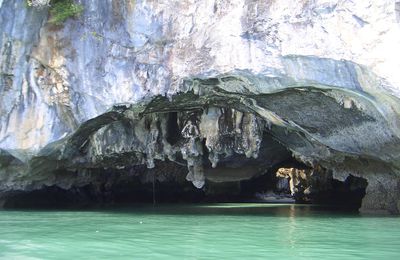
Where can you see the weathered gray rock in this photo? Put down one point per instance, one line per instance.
(201, 83)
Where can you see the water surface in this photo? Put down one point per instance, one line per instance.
(213, 231)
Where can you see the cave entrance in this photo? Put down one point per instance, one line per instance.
(290, 182)
(214, 155)
(275, 176)
(294, 182)
(342, 195)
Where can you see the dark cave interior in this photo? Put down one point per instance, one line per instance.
(274, 177)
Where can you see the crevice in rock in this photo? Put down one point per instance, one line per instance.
(173, 133)
(348, 193)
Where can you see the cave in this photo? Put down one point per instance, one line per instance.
(299, 145)
(274, 175)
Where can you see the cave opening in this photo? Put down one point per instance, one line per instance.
(275, 176)
(269, 187)
(211, 151)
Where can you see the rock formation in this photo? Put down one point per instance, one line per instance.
(227, 89)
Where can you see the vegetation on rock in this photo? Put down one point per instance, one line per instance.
(60, 10)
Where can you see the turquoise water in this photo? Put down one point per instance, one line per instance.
(217, 231)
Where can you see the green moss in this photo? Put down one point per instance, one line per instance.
(61, 10)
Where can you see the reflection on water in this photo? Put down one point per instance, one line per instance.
(249, 209)
(238, 231)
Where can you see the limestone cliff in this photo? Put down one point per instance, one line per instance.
(226, 88)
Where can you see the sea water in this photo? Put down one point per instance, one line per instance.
(212, 231)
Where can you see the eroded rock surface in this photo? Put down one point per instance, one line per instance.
(227, 89)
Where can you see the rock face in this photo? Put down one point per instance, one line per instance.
(226, 88)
